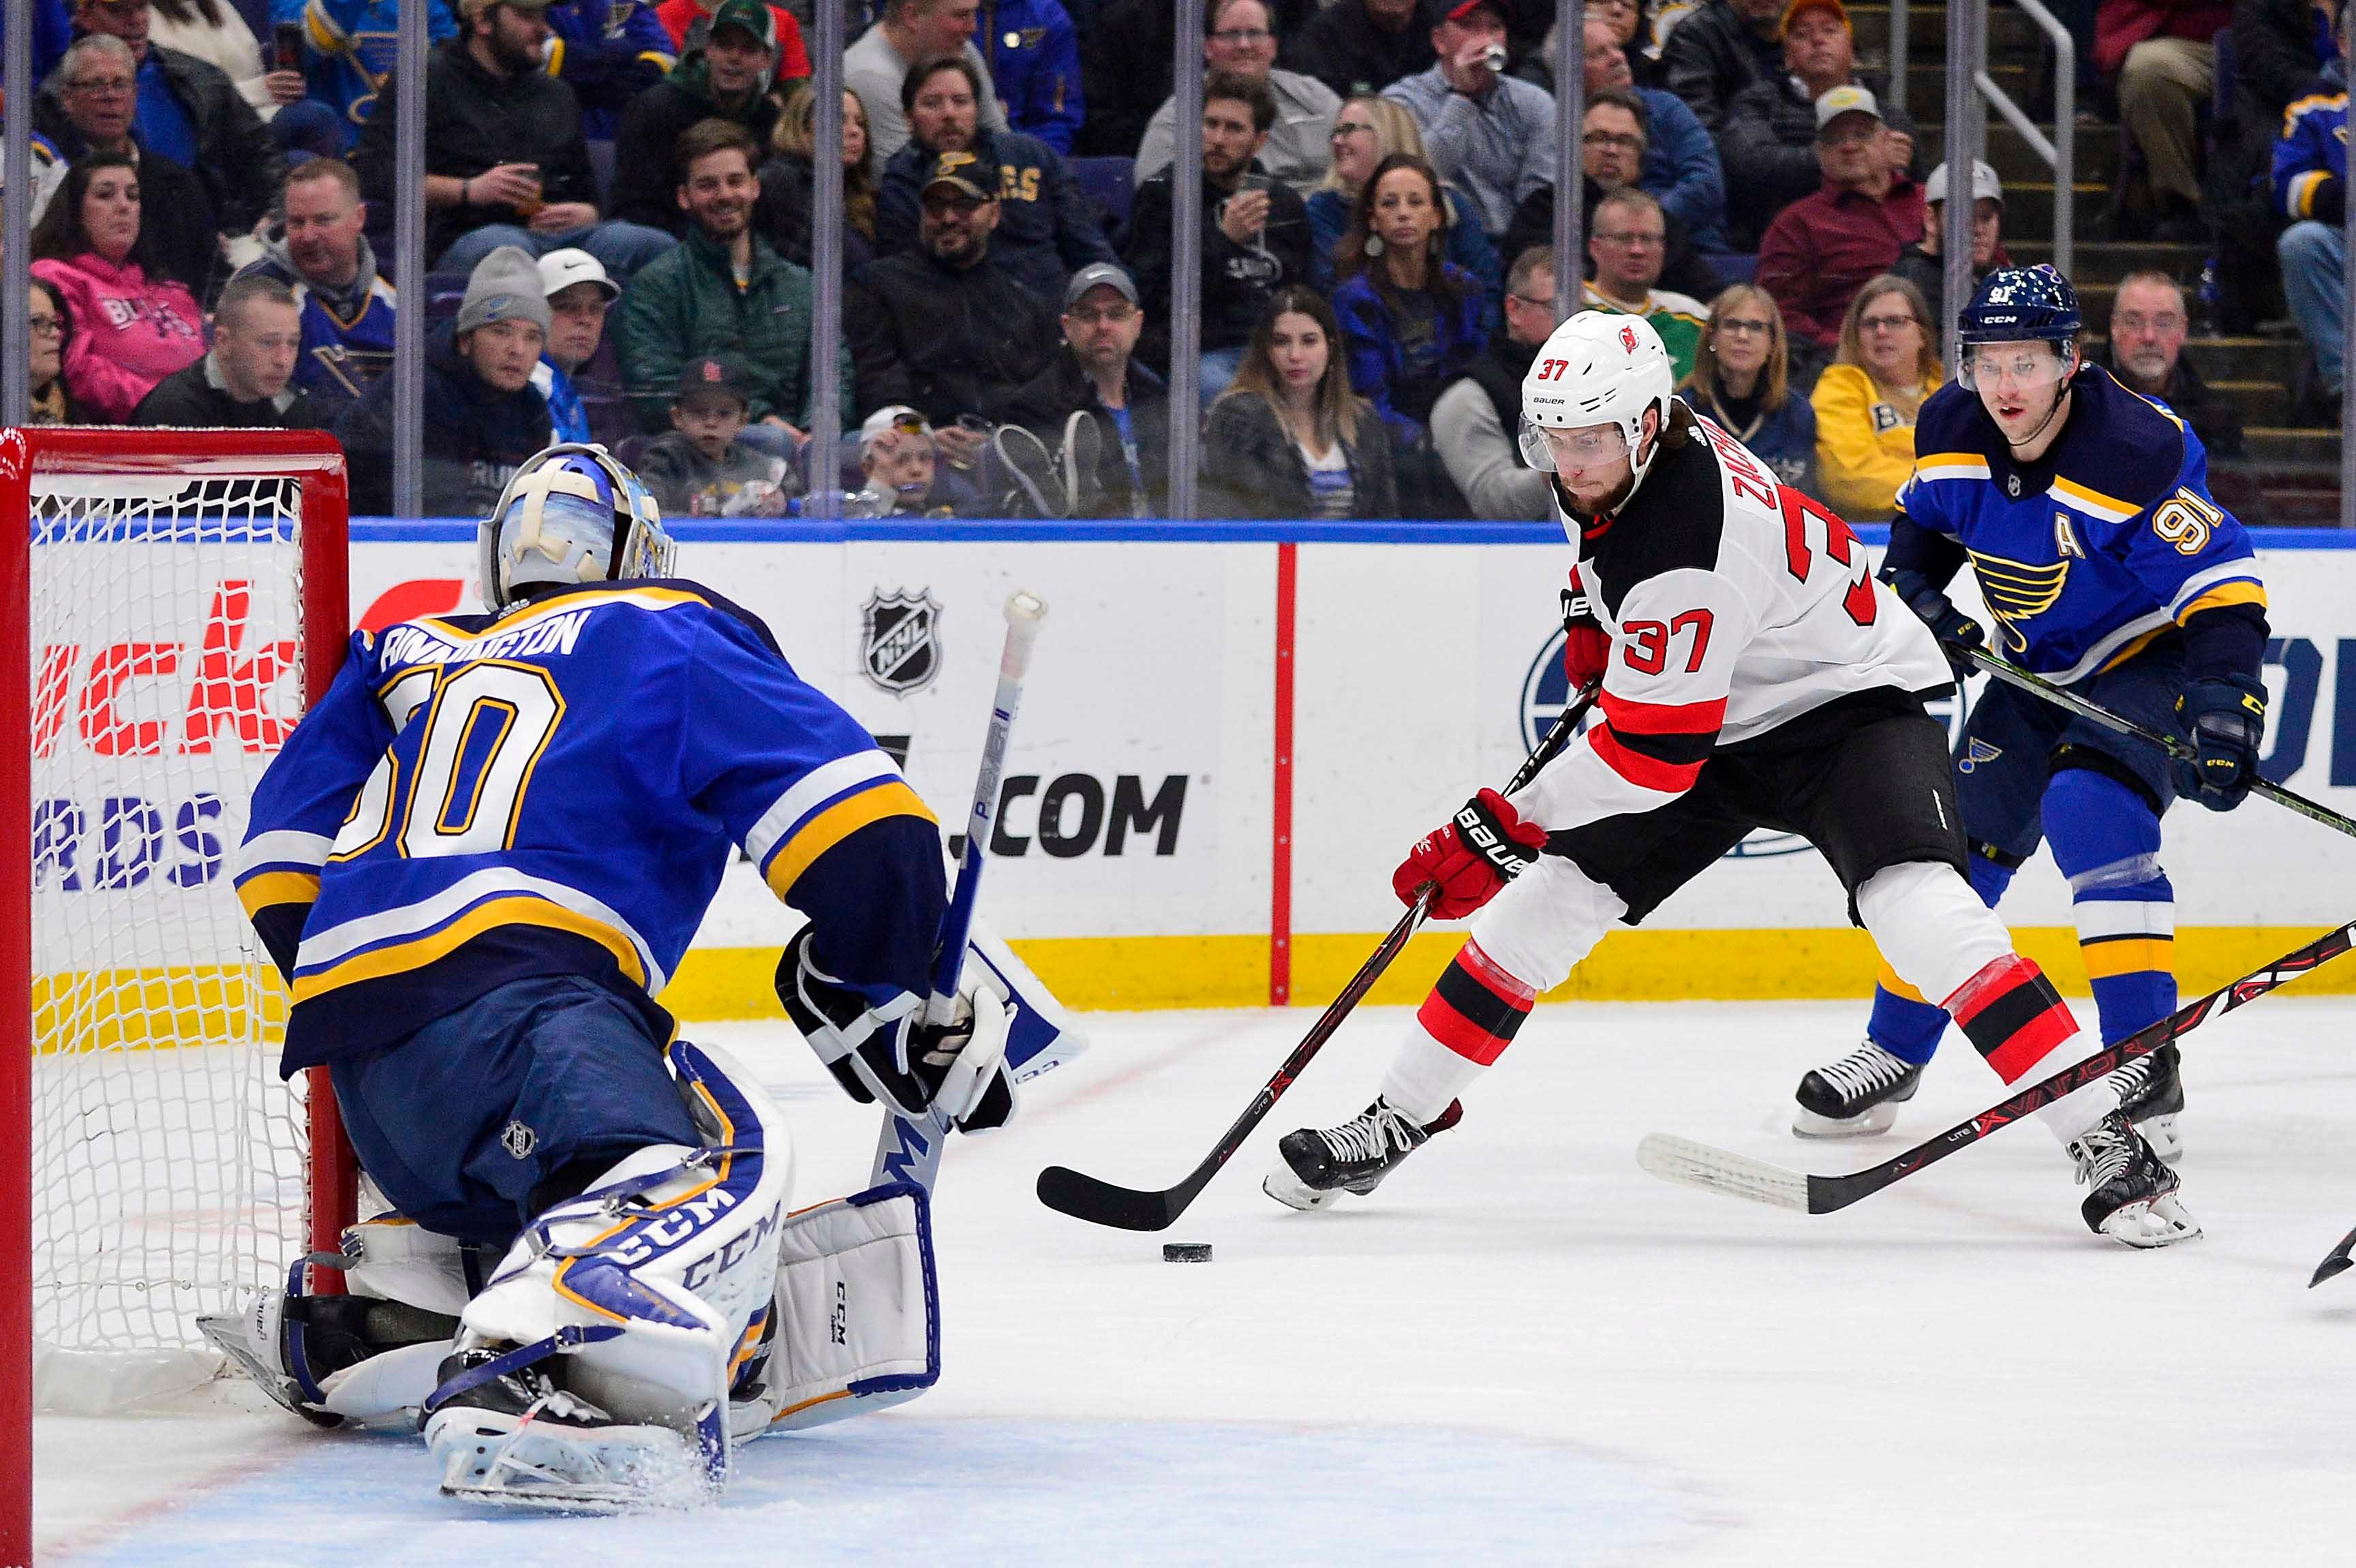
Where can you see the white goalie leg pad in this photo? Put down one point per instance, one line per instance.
(858, 1312)
(1042, 1035)
(653, 1284)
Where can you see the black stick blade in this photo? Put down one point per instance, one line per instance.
(1083, 1196)
(2337, 1263)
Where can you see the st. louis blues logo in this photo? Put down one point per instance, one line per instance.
(899, 648)
(1976, 751)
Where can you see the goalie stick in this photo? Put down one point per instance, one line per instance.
(2062, 696)
(1083, 1197)
(909, 1148)
(1692, 1164)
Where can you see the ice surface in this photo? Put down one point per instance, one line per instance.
(1523, 1350)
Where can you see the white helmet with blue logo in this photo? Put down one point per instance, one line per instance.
(572, 514)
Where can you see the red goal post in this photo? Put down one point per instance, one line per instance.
(170, 602)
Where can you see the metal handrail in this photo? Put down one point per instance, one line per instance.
(2060, 152)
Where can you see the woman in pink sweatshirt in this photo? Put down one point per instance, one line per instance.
(131, 328)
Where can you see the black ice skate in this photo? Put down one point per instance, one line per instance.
(1858, 1094)
(1319, 1164)
(2152, 1095)
(2134, 1198)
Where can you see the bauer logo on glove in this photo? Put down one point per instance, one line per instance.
(1483, 849)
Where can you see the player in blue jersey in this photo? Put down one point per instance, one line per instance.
(476, 862)
(2084, 511)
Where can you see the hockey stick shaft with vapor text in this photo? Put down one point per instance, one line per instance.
(1083, 1197)
(1692, 1164)
(2062, 696)
(909, 1148)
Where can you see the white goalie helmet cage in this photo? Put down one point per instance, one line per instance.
(1597, 369)
(572, 513)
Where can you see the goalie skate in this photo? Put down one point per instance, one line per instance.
(1318, 1165)
(1854, 1096)
(2151, 1094)
(517, 1439)
(2134, 1198)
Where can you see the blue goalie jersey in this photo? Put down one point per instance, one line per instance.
(557, 790)
(2086, 555)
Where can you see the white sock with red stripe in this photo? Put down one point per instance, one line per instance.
(1472, 1015)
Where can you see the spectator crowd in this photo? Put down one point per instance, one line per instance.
(619, 206)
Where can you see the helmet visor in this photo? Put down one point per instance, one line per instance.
(1552, 449)
(2030, 366)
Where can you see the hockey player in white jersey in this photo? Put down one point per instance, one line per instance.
(1753, 675)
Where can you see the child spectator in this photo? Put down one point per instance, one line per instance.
(1287, 438)
(702, 466)
(896, 454)
(1867, 400)
(130, 329)
(788, 181)
(1741, 381)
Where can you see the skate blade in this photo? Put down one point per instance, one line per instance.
(1807, 1124)
(1289, 1191)
(2161, 1221)
(607, 1470)
(2167, 1140)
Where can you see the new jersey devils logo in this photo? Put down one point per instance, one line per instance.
(1628, 338)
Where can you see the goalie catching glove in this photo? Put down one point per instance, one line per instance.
(1485, 846)
(888, 1052)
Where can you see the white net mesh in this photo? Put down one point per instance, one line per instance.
(167, 1158)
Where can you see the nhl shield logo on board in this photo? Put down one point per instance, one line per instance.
(899, 644)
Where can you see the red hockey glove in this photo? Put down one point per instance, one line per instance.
(1485, 846)
(1586, 646)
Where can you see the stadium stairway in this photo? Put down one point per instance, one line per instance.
(2291, 472)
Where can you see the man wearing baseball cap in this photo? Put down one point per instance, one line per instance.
(578, 293)
(727, 77)
(505, 161)
(1490, 133)
(943, 329)
(1822, 248)
(1769, 137)
(1095, 384)
(1920, 263)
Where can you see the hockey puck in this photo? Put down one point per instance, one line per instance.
(1186, 1251)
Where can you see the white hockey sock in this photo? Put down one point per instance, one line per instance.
(1426, 1075)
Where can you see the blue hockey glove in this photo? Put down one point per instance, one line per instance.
(1954, 629)
(2225, 717)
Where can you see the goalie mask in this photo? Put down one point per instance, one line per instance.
(572, 514)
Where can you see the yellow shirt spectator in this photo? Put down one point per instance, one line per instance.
(1866, 401)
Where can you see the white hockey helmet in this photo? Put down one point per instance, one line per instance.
(572, 514)
(1597, 369)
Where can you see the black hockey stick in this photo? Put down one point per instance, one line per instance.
(2062, 696)
(2336, 1263)
(1083, 1197)
(1698, 1165)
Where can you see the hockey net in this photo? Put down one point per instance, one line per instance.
(185, 599)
